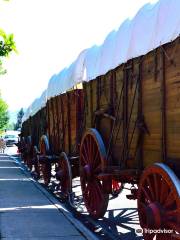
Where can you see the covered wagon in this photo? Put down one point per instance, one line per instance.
(123, 126)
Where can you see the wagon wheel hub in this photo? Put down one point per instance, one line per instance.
(154, 216)
(88, 172)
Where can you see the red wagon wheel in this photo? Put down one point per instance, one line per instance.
(64, 175)
(159, 202)
(46, 166)
(92, 162)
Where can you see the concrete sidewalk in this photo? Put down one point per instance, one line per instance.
(27, 211)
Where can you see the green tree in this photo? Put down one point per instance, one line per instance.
(10, 126)
(7, 45)
(4, 116)
(19, 119)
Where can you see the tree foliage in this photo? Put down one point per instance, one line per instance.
(10, 126)
(7, 45)
(4, 116)
(19, 119)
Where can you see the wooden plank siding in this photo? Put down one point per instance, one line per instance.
(35, 126)
(151, 116)
(65, 119)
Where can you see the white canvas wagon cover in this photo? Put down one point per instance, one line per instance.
(153, 25)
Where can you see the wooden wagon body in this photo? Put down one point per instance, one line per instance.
(31, 132)
(35, 126)
(26, 128)
(64, 120)
(59, 144)
(135, 108)
(132, 122)
(122, 127)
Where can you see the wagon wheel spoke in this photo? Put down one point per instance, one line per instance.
(150, 188)
(162, 236)
(90, 146)
(64, 175)
(173, 226)
(87, 193)
(45, 167)
(91, 197)
(92, 152)
(87, 150)
(141, 208)
(86, 188)
(98, 190)
(164, 191)
(169, 200)
(148, 236)
(96, 160)
(156, 187)
(84, 159)
(163, 211)
(142, 205)
(172, 213)
(85, 154)
(97, 169)
(96, 200)
(146, 194)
